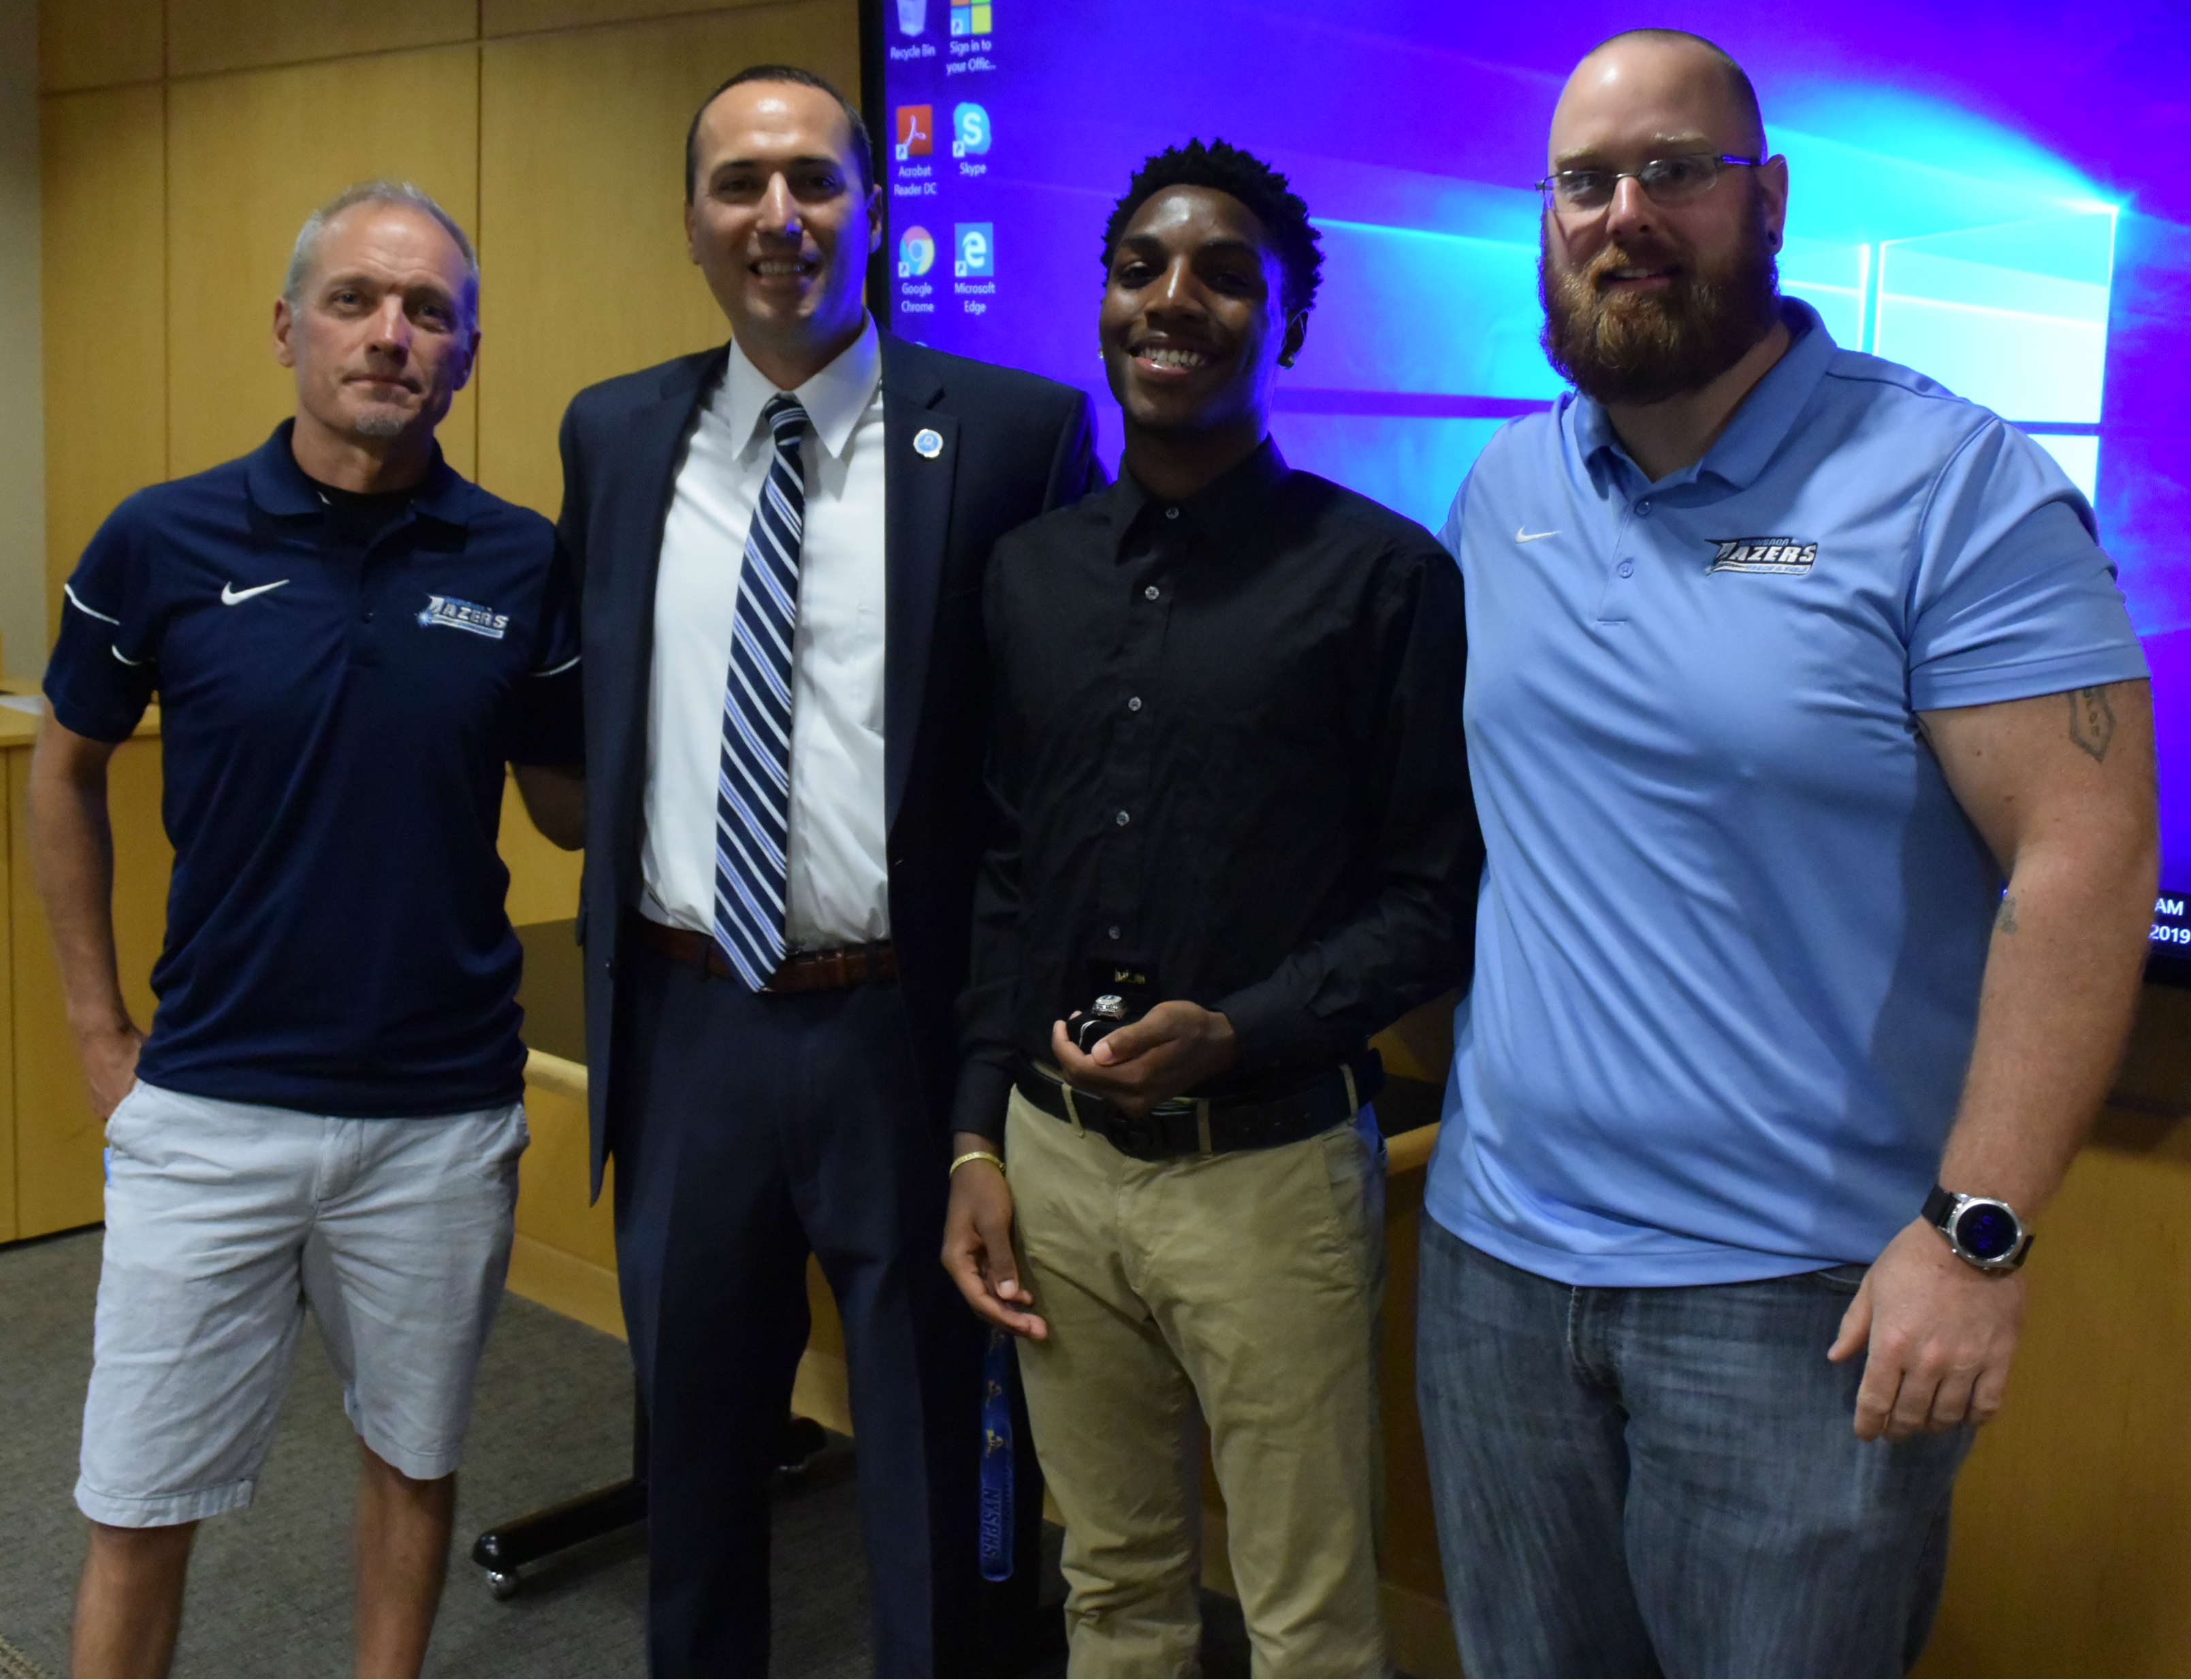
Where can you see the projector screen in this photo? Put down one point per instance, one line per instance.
(1997, 197)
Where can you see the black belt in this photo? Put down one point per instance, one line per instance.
(1192, 1126)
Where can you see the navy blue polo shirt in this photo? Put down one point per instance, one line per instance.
(335, 713)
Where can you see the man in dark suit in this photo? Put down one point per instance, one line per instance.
(783, 542)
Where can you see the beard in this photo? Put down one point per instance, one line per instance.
(1644, 348)
(381, 423)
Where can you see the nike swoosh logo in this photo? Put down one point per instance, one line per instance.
(1523, 534)
(229, 594)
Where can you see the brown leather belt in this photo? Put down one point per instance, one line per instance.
(834, 970)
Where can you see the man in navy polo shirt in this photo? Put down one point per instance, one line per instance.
(1783, 662)
(348, 642)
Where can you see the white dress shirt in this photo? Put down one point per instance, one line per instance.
(837, 872)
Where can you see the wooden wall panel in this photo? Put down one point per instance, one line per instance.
(11, 1223)
(564, 1253)
(591, 279)
(250, 156)
(2073, 1519)
(96, 43)
(59, 1183)
(543, 877)
(525, 17)
(105, 277)
(209, 36)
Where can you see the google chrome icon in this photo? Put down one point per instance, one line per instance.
(916, 253)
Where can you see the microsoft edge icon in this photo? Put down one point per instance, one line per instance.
(916, 253)
(977, 246)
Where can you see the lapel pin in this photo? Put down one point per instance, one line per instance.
(928, 443)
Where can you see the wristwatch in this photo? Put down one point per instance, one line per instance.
(1984, 1232)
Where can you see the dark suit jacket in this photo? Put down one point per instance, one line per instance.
(1013, 446)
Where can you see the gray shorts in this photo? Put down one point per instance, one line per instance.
(224, 1220)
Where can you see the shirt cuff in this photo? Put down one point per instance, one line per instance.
(985, 1091)
(1266, 1023)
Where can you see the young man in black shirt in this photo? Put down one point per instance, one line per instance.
(1233, 810)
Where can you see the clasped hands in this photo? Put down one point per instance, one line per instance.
(1172, 1049)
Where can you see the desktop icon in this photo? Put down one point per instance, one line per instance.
(916, 253)
(916, 131)
(970, 131)
(975, 243)
(971, 17)
(912, 16)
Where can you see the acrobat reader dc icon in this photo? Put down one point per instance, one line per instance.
(976, 244)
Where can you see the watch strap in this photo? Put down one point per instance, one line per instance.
(1938, 1205)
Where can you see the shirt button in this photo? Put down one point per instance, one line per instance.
(1114, 933)
(1122, 819)
(1151, 591)
(1643, 508)
(1171, 512)
(1627, 568)
(1135, 704)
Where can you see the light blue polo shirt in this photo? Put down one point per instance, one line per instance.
(1734, 923)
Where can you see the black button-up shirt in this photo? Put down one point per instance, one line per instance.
(1226, 744)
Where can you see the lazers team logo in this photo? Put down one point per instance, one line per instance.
(1762, 554)
(464, 616)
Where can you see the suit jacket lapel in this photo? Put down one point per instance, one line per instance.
(652, 447)
(918, 484)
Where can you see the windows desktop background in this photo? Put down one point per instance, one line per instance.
(1999, 197)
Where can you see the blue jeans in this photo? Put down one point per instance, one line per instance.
(1665, 1481)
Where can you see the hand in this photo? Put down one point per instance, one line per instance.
(110, 1065)
(977, 1243)
(1173, 1048)
(1942, 1335)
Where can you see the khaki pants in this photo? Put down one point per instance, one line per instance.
(1247, 1282)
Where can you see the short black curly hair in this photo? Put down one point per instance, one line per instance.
(1228, 169)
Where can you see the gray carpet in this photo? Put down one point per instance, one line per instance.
(270, 1587)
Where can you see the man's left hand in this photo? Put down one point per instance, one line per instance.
(1942, 1335)
(1171, 1049)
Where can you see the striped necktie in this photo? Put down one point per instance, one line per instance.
(753, 790)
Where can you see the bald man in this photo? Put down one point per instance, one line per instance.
(1813, 751)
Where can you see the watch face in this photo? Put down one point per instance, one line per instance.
(1987, 1230)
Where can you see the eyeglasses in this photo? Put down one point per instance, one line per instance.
(1665, 180)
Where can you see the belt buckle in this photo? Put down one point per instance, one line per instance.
(1142, 1139)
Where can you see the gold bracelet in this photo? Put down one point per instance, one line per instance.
(997, 1161)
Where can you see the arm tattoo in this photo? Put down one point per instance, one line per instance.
(2091, 723)
(2005, 923)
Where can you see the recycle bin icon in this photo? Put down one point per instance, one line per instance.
(912, 16)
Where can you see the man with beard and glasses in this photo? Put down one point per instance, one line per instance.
(1785, 662)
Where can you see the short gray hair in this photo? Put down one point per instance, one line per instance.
(400, 193)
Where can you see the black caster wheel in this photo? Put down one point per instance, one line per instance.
(504, 1584)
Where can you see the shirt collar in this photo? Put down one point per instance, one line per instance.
(280, 486)
(1760, 421)
(834, 398)
(1224, 511)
